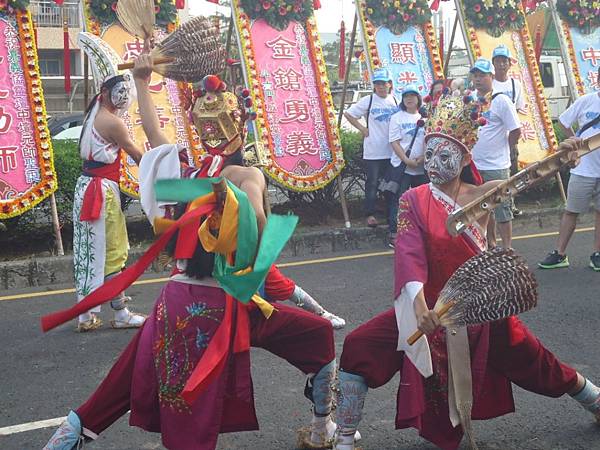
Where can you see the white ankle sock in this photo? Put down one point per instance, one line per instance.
(122, 315)
(85, 317)
(589, 396)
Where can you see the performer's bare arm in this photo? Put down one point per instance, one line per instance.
(150, 123)
(114, 130)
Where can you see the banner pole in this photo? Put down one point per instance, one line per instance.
(340, 115)
(450, 46)
(56, 226)
(461, 18)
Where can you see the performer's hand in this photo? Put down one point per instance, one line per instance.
(428, 322)
(142, 69)
(365, 132)
(571, 145)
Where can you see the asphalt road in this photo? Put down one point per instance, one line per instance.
(43, 376)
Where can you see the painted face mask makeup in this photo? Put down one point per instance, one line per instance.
(442, 160)
(120, 94)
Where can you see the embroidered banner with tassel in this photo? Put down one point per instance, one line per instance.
(488, 25)
(27, 174)
(401, 39)
(284, 67)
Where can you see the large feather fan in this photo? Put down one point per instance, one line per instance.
(137, 17)
(490, 286)
(189, 53)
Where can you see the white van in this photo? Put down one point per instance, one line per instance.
(554, 80)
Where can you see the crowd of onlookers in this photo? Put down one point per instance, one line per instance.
(393, 145)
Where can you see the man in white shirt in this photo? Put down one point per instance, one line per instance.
(491, 153)
(502, 61)
(584, 183)
(377, 109)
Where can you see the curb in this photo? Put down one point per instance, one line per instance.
(49, 270)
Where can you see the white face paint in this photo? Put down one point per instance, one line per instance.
(443, 160)
(120, 94)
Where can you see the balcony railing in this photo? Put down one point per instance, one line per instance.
(49, 14)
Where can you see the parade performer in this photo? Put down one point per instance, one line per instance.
(219, 117)
(472, 376)
(100, 244)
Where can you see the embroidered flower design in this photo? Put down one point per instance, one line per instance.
(196, 309)
(201, 338)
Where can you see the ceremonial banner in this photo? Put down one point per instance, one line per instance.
(580, 25)
(401, 38)
(167, 94)
(27, 173)
(486, 27)
(296, 128)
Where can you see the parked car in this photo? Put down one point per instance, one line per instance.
(67, 126)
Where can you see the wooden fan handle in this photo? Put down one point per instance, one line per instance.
(417, 334)
(161, 60)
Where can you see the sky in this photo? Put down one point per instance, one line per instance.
(328, 16)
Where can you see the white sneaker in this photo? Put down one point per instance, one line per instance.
(127, 319)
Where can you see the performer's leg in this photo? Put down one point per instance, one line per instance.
(369, 359)
(278, 287)
(117, 249)
(106, 405)
(531, 366)
(306, 342)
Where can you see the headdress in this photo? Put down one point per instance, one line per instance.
(103, 59)
(454, 118)
(220, 116)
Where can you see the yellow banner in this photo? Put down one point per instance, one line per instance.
(537, 134)
(166, 95)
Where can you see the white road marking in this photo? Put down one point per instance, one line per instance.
(31, 426)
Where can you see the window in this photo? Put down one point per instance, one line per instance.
(547, 75)
(50, 67)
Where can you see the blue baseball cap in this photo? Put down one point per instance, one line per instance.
(501, 50)
(410, 89)
(381, 75)
(483, 65)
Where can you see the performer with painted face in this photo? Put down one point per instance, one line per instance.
(100, 244)
(447, 374)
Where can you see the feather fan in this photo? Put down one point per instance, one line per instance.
(490, 286)
(137, 17)
(189, 53)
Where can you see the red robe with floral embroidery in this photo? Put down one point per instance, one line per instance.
(426, 253)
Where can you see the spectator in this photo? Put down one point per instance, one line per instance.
(457, 87)
(502, 61)
(406, 165)
(436, 90)
(584, 184)
(377, 109)
(491, 153)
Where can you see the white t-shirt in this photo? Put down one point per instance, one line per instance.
(403, 126)
(376, 145)
(491, 152)
(582, 111)
(506, 87)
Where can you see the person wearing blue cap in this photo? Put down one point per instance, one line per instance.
(502, 60)
(406, 165)
(376, 109)
(491, 153)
